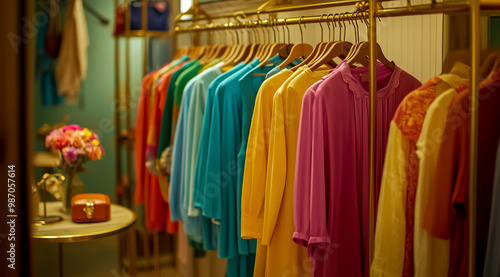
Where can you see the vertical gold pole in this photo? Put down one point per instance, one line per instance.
(118, 155)
(156, 246)
(144, 16)
(175, 10)
(474, 105)
(127, 17)
(132, 254)
(127, 190)
(117, 111)
(145, 38)
(372, 38)
(145, 238)
(196, 12)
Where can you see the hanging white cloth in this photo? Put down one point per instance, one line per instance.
(71, 67)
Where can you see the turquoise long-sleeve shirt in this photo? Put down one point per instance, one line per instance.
(204, 193)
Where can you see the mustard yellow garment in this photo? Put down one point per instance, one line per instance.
(254, 177)
(278, 211)
(432, 254)
(253, 190)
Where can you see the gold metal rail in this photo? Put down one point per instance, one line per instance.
(262, 9)
(276, 22)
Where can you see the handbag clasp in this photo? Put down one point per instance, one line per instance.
(89, 209)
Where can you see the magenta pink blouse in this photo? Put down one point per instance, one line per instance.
(333, 144)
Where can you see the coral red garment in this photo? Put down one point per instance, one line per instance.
(147, 189)
(140, 138)
(446, 215)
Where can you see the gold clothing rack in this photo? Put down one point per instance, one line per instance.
(472, 7)
(361, 11)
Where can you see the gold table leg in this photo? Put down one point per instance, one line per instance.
(60, 259)
(132, 251)
(156, 245)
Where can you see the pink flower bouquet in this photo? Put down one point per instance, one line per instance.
(77, 145)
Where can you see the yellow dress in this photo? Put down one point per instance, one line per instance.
(278, 211)
(254, 177)
(432, 254)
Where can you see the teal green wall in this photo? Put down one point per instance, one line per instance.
(95, 110)
(495, 32)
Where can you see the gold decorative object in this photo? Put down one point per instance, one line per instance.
(51, 178)
(89, 209)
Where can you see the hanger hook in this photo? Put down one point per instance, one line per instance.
(349, 19)
(276, 30)
(288, 30)
(300, 27)
(321, 26)
(357, 26)
(340, 25)
(273, 27)
(333, 27)
(269, 24)
(329, 29)
(284, 33)
(345, 26)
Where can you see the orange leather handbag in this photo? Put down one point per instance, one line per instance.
(90, 207)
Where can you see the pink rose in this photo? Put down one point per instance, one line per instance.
(48, 141)
(70, 154)
(50, 137)
(61, 141)
(73, 127)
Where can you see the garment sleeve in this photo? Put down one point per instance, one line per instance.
(174, 194)
(202, 159)
(439, 212)
(195, 119)
(212, 197)
(166, 121)
(276, 168)
(432, 255)
(253, 191)
(302, 186)
(140, 140)
(391, 224)
(319, 236)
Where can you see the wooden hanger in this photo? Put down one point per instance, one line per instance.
(355, 47)
(236, 50)
(207, 51)
(337, 49)
(364, 51)
(273, 51)
(275, 48)
(494, 69)
(298, 51)
(322, 45)
(309, 57)
(248, 57)
(488, 64)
